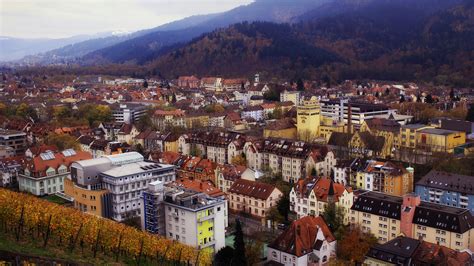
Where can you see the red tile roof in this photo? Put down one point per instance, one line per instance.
(252, 189)
(300, 237)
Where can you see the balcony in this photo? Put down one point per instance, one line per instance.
(205, 218)
(211, 243)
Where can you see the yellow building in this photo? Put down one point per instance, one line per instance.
(366, 144)
(283, 128)
(328, 126)
(407, 137)
(308, 120)
(389, 129)
(439, 140)
(86, 200)
(388, 216)
(196, 120)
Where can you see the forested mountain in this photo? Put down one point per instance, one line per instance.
(381, 41)
(149, 46)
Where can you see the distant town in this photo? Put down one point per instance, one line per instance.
(289, 172)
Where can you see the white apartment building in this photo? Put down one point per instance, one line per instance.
(195, 219)
(125, 176)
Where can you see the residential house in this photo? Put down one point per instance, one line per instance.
(252, 197)
(447, 188)
(408, 251)
(310, 196)
(219, 147)
(163, 119)
(45, 174)
(253, 112)
(127, 134)
(307, 241)
(387, 217)
(284, 128)
(292, 159)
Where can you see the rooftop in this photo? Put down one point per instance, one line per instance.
(448, 181)
(135, 168)
(437, 131)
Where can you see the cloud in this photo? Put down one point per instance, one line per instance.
(63, 18)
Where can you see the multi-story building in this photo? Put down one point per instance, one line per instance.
(152, 212)
(310, 196)
(163, 119)
(45, 174)
(439, 140)
(307, 241)
(125, 176)
(292, 159)
(448, 189)
(254, 112)
(408, 134)
(342, 109)
(389, 129)
(408, 251)
(388, 216)
(6, 152)
(252, 197)
(128, 113)
(9, 169)
(14, 139)
(308, 120)
(195, 219)
(290, 96)
(219, 147)
(387, 177)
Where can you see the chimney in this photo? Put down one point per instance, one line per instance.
(200, 185)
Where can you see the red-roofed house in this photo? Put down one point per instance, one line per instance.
(307, 241)
(44, 174)
(310, 196)
(254, 198)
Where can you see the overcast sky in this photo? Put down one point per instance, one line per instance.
(64, 18)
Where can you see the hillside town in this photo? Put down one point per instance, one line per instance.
(308, 173)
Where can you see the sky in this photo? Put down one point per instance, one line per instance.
(65, 18)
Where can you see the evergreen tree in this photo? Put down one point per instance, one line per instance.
(470, 113)
(224, 256)
(402, 99)
(283, 206)
(145, 84)
(451, 94)
(300, 85)
(429, 99)
(313, 172)
(239, 258)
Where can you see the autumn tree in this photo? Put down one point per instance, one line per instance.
(253, 252)
(239, 160)
(354, 245)
(62, 141)
(274, 215)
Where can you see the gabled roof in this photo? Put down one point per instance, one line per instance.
(448, 181)
(252, 189)
(300, 238)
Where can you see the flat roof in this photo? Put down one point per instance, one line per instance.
(438, 131)
(414, 126)
(135, 168)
